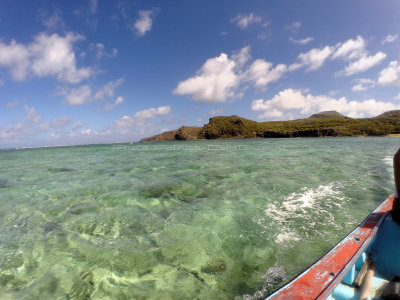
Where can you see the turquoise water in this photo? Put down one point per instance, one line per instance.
(181, 220)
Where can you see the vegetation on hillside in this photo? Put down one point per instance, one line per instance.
(329, 123)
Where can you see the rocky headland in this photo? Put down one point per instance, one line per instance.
(323, 124)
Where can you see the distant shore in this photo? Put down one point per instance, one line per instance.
(323, 124)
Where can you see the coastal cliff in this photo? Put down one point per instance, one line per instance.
(327, 123)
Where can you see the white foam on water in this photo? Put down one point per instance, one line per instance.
(306, 205)
(287, 237)
(388, 160)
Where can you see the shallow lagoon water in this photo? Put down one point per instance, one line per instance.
(180, 220)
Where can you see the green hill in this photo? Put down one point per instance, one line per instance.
(328, 114)
(329, 123)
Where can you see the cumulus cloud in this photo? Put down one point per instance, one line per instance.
(111, 106)
(31, 116)
(214, 82)
(140, 117)
(243, 21)
(79, 96)
(144, 23)
(47, 55)
(351, 49)
(301, 41)
(151, 113)
(220, 77)
(261, 73)
(363, 64)
(83, 94)
(313, 59)
(300, 103)
(390, 75)
(108, 89)
(15, 57)
(363, 84)
(390, 38)
(124, 122)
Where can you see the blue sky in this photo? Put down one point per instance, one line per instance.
(115, 71)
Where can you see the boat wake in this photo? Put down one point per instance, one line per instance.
(312, 207)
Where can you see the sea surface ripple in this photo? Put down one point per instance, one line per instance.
(181, 220)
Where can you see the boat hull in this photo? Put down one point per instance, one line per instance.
(319, 280)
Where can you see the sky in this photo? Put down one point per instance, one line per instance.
(97, 71)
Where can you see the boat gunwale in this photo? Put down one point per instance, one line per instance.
(317, 282)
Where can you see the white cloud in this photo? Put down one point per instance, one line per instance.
(124, 123)
(294, 27)
(219, 77)
(100, 51)
(390, 75)
(48, 55)
(31, 116)
(144, 23)
(53, 22)
(79, 96)
(60, 122)
(390, 38)
(244, 21)
(12, 104)
(300, 103)
(214, 82)
(14, 132)
(363, 64)
(261, 73)
(351, 49)
(214, 112)
(110, 106)
(15, 57)
(397, 97)
(89, 132)
(53, 56)
(127, 122)
(83, 94)
(301, 41)
(93, 6)
(76, 125)
(151, 113)
(241, 57)
(313, 59)
(57, 124)
(108, 89)
(363, 84)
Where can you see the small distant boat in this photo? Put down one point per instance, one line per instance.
(364, 265)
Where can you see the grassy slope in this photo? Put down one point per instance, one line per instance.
(318, 125)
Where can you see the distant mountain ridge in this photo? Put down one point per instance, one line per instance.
(326, 123)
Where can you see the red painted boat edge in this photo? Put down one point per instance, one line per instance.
(323, 276)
